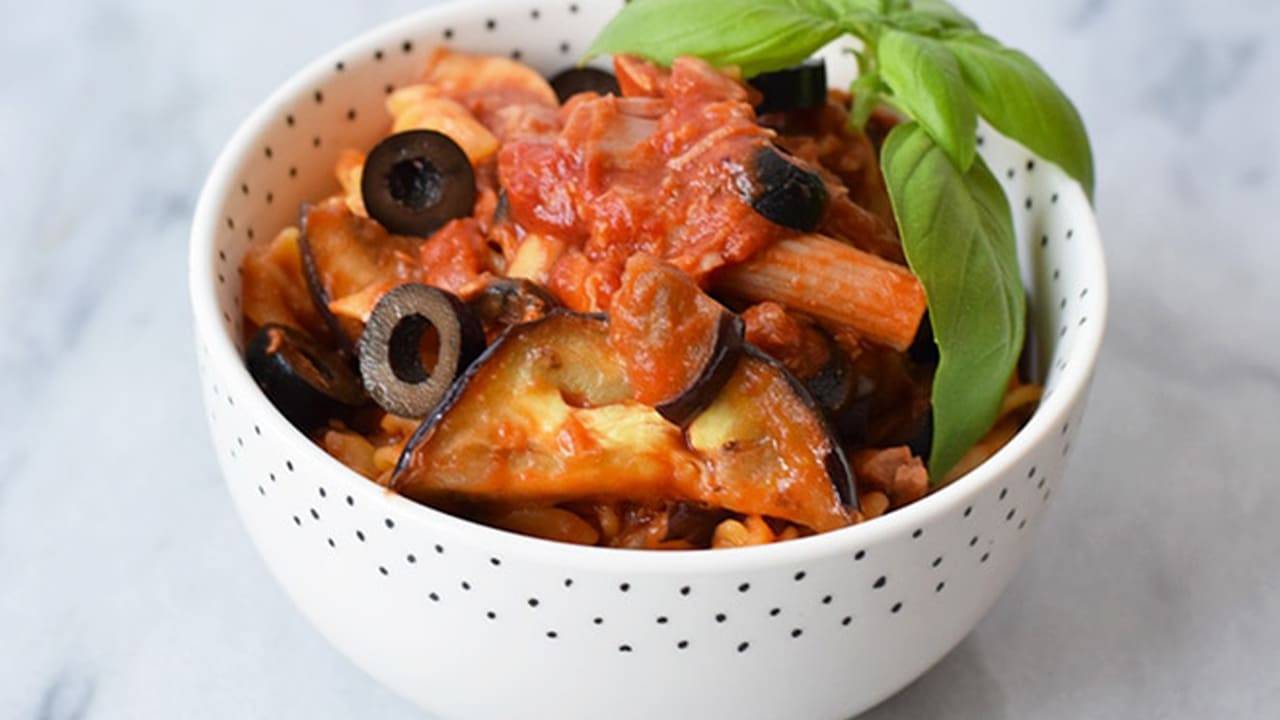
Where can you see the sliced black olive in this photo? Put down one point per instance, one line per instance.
(794, 88)
(417, 180)
(721, 360)
(782, 191)
(510, 301)
(574, 80)
(391, 362)
(308, 383)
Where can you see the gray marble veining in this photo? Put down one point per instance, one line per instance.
(128, 590)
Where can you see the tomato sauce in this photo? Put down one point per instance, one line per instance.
(657, 175)
(663, 327)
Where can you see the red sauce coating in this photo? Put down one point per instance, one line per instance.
(663, 327)
(642, 174)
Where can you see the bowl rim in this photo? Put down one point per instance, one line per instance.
(209, 332)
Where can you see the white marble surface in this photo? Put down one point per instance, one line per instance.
(127, 589)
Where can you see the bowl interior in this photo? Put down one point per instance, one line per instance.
(284, 155)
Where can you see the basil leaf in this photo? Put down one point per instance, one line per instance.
(927, 84)
(758, 36)
(957, 232)
(869, 7)
(1021, 101)
(941, 12)
(914, 24)
(865, 90)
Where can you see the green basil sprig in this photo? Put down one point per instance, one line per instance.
(930, 62)
(963, 250)
(1020, 100)
(756, 36)
(926, 83)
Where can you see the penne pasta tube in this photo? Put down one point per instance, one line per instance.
(834, 282)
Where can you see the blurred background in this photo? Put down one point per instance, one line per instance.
(128, 589)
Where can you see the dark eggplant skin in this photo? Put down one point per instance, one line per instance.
(331, 239)
(511, 301)
(836, 462)
(459, 387)
(390, 363)
(782, 191)
(407, 479)
(726, 350)
(502, 208)
(574, 80)
(315, 286)
(308, 383)
(795, 88)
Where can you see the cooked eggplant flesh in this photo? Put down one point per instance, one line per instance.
(769, 447)
(546, 415)
(342, 254)
(722, 353)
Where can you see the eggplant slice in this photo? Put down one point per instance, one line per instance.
(723, 348)
(308, 383)
(510, 301)
(679, 346)
(795, 88)
(391, 348)
(546, 415)
(765, 426)
(343, 253)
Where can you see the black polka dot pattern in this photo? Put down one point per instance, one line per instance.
(453, 577)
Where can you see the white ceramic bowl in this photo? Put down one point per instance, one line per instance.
(471, 622)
